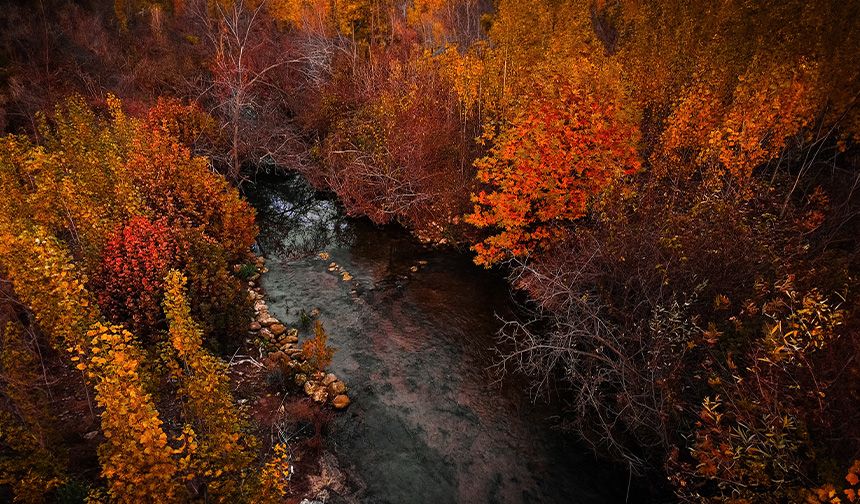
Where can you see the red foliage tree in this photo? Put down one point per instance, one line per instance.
(130, 284)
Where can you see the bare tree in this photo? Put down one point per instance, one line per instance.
(616, 378)
(247, 92)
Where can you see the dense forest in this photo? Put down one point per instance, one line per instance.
(671, 189)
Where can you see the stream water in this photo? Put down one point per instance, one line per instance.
(414, 330)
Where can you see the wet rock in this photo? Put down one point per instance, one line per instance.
(291, 338)
(320, 395)
(340, 402)
(336, 388)
(254, 326)
(260, 305)
(266, 334)
(315, 313)
(324, 256)
(277, 329)
(414, 269)
(311, 386)
(329, 379)
(318, 375)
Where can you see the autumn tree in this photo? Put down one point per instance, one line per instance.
(564, 146)
(130, 281)
(224, 452)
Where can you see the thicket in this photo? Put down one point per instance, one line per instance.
(97, 221)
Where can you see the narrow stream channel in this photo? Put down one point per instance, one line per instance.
(414, 331)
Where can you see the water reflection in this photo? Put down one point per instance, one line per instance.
(296, 221)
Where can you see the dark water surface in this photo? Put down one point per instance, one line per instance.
(427, 423)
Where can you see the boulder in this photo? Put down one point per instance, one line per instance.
(254, 326)
(329, 379)
(340, 402)
(277, 329)
(266, 334)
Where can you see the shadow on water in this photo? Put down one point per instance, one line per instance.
(414, 328)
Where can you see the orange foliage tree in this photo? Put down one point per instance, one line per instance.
(563, 146)
(67, 196)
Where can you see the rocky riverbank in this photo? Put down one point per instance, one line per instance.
(285, 352)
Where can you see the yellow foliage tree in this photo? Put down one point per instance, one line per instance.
(136, 459)
(224, 451)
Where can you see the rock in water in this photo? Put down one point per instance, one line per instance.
(340, 402)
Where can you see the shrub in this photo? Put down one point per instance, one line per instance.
(316, 350)
(130, 284)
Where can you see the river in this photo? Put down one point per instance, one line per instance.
(414, 330)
